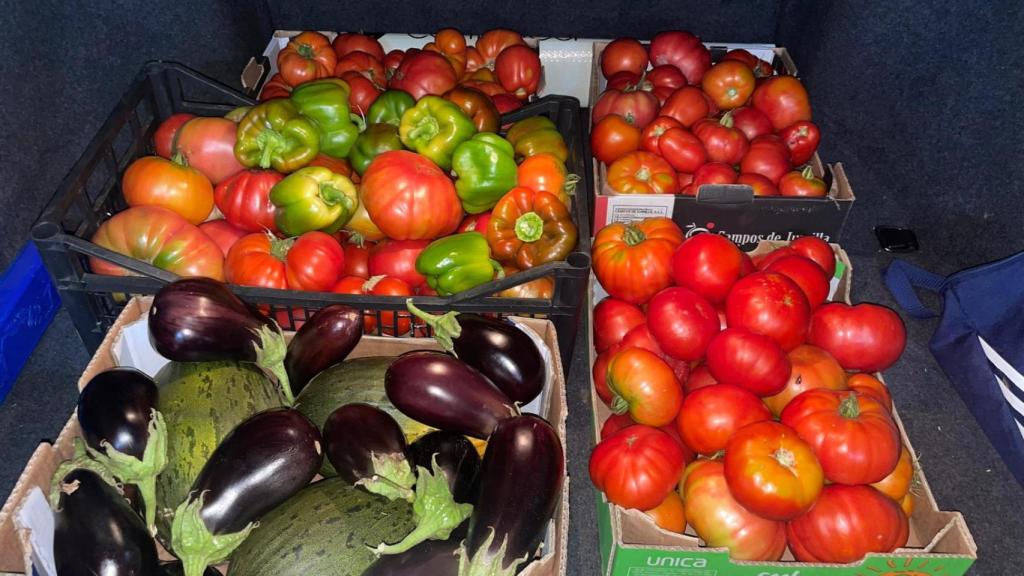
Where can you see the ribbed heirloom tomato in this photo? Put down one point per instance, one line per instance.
(636, 467)
(633, 261)
(723, 142)
(244, 199)
(307, 57)
(409, 198)
(846, 524)
(771, 471)
(645, 386)
(752, 361)
(687, 105)
(641, 172)
(853, 435)
(708, 264)
(313, 261)
(682, 50)
(710, 415)
(156, 181)
(638, 107)
(770, 304)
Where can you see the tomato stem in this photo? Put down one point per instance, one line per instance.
(785, 458)
(850, 406)
(279, 247)
(633, 235)
(643, 174)
(619, 405)
(306, 51)
(727, 120)
(808, 172)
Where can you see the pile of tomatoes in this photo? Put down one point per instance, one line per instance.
(500, 65)
(743, 402)
(684, 122)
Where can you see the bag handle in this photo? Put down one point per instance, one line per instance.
(902, 277)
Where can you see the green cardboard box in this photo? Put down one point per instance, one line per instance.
(632, 545)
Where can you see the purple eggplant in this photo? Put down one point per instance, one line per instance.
(456, 457)
(367, 448)
(324, 340)
(520, 486)
(97, 532)
(260, 464)
(124, 432)
(201, 320)
(430, 558)
(446, 393)
(496, 348)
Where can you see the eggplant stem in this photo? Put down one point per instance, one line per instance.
(270, 354)
(485, 563)
(376, 483)
(193, 543)
(445, 326)
(80, 459)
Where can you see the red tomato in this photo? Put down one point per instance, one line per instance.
(390, 323)
(812, 368)
(683, 151)
(768, 157)
(477, 222)
(366, 65)
(640, 337)
(687, 105)
(729, 84)
(612, 138)
(761, 185)
(314, 262)
(357, 258)
(853, 435)
(275, 87)
(748, 268)
(803, 184)
(751, 361)
(870, 386)
(708, 264)
(637, 107)
(493, 42)
(307, 57)
(722, 142)
(208, 144)
(666, 76)
(863, 338)
(244, 200)
(802, 139)
(710, 415)
(347, 43)
(846, 524)
(653, 132)
(613, 319)
(223, 233)
(632, 261)
(397, 259)
(721, 522)
(600, 374)
(764, 260)
(783, 100)
(163, 138)
(518, 70)
(423, 73)
(771, 471)
(770, 304)
(645, 385)
(155, 181)
(761, 68)
(641, 172)
(252, 262)
(806, 274)
(713, 173)
(682, 322)
(362, 92)
(409, 198)
(624, 55)
(752, 122)
(700, 377)
(682, 50)
(636, 467)
(817, 250)
(391, 61)
(670, 514)
(624, 80)
(614, 423)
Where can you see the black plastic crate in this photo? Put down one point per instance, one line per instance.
(91, 193)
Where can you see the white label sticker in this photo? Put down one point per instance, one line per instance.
(639, 207)
(36, 516)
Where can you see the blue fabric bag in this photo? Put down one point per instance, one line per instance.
(979, 342)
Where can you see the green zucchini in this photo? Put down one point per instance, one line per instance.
(201, 403)
(324, 530)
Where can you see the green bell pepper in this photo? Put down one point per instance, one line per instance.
(389, 107)
(377, 139)
(434, 127)
(274, 134)
(486, 170)
(536, 135)
(325, 102)
(313, 198)
(456, 263)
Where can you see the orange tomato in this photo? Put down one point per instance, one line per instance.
(156, 181)
(308, 56)
(645, 385)
(812, 368)
(545, 172)
(493, 42)
(670, 514)
(613, 137)
(907, 504)
(729, 84)
(868, 384)
(897, 484)
(642, 173)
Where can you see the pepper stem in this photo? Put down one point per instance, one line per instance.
(270, 353)
(330, 194)
(425, 129)
(529, 227)
(445, 326)
(359, 120)
(269, 141)
(850, 406)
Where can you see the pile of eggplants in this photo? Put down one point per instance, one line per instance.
(123, 430)
(201, 320)
(260, 464)
(499, 350)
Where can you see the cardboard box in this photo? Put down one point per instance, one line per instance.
(632, 545)
(15, 547)
(730, 209)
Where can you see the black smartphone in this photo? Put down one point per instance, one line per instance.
(896, 239)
